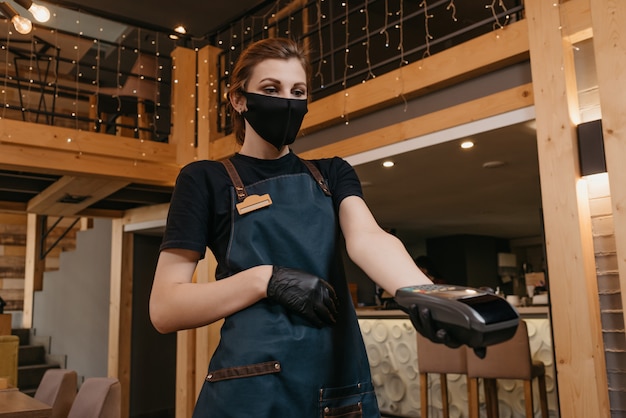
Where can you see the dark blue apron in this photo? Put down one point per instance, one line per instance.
(271, 362)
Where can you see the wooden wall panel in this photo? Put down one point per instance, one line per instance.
(582, 379)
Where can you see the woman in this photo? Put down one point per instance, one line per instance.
(290, 344)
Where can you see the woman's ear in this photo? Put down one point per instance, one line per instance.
(237, 101)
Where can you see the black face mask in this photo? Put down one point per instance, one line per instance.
(275, 119)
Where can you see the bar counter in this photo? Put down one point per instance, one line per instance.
(390, 341)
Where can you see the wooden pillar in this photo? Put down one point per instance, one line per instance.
(609, 40)
(121, 310)
(185, 372)
(184, 104)
(580, 364)
(33, 273)
(208, 100)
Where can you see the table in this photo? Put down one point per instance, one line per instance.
(15, 404)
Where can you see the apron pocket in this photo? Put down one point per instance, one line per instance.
(238, 372)
(350, 411)
(354, 401)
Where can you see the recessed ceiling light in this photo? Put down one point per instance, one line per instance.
(493, 164)
(388, 164)
(467, 144)
(180, 29)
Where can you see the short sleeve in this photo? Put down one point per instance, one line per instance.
(343, 180)
(189, 214)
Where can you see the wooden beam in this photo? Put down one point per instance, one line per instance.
(16, 207)
(54, 161)
(608, 17)
(33, 276)
(120, 310)
(575, 313)
(208, 101)
(70, 195)
(185, 373)
(26, 134)
(184, 104)
(498, 103)
(576, 20)
(145, 214)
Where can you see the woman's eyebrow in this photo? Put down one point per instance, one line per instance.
(273, 80)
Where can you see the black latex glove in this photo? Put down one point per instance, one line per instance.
(303, 293)
(423, 322)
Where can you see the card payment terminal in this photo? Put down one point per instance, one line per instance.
(470, 316)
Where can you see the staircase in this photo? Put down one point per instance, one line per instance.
(33, 360)
(13, 228)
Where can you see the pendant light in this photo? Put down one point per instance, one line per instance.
(39, 12)
(21, 24)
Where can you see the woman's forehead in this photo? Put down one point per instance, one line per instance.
(288, 71)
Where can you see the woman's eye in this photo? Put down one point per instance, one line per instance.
(299, 93)
(270, 90)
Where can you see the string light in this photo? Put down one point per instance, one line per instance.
(6, 73)
(492, 8)
(401, 49)
(452, 6)
(401, 34)
(346, 66)
(366, 28)
(384, 30)
(321, 61)
(97, 83)
(77, 78)
(428, 36)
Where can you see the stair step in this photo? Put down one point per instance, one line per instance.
(23, 334)
(29, 377)
(31, 355)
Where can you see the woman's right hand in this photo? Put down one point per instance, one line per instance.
(303, 293)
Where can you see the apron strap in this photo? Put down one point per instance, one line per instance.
(234, 177)
(241, 190)
(317, 176)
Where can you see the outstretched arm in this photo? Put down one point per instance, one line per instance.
(379, 254)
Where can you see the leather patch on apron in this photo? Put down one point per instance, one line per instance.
(258, 369)
(349, 411)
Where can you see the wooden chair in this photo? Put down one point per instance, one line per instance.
(58, 389)
(98, 397)
(508, 360)
(442, 360)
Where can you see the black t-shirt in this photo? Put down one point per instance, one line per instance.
(200, 213)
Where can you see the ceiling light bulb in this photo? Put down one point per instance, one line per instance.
(22, 24)
(467, 144)
(180, 29)
(388, 164)
(39, 12)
